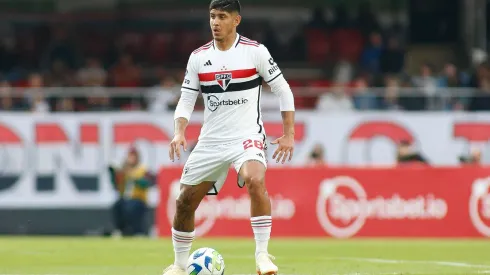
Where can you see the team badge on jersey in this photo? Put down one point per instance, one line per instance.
(223, 80)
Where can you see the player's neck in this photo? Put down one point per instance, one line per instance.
(226, 43)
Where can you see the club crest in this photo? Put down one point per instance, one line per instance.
(224, 80)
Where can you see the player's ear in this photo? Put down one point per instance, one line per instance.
(237, 20)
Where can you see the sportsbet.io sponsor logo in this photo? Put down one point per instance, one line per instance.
(214, 103)
(212, 209)
(479, 206)
(343, 207)
(274, 68)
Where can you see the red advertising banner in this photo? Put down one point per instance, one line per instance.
(344, 203)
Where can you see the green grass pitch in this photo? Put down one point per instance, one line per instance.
(138, 256)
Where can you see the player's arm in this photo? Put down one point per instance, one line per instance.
(270, 71)
(184, 109)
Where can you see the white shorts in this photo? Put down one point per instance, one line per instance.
(212, 162)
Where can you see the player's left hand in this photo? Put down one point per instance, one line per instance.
(285, 150)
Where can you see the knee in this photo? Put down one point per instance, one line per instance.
(255, 185)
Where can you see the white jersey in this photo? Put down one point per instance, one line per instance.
(231, 84)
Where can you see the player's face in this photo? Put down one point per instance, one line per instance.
(223, 23)
(132, 159)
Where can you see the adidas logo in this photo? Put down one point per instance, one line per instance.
(208, 63)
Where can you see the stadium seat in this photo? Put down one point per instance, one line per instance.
(318, 46)
(188, 42)
(348, 44)
(295, 83)
(158, 47)
(94, 43)
(135, 43)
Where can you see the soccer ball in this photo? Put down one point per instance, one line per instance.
(205, 261)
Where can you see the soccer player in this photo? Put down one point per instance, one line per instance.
(228, 71)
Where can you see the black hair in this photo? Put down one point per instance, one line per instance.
(226, 5)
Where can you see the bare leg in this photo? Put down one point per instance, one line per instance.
(189, 199)
(183, 226)
(253, 172)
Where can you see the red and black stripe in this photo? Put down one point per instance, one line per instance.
(232, 87)
(236, 74)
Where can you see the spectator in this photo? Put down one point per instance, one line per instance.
(370, 58)
(60, 75)
(131, 181)
(65, 104)
(125, 73)
(480, 101)
(39, 104)
(10, 100)
(165, 96)
(406, 154)
(452, 78)
(335, 101)
(392, 59)
(426, 81)
(6, 101)
(35, 94)
(477, 75)
(93, 74)
(343, 72)
(389, 99)
(99, 101)
(426, 96)
(474, 157)
(317, 156)
(364, 98)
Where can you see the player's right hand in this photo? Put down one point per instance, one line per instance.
(177, 142)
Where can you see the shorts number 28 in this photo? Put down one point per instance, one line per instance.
(253, 143)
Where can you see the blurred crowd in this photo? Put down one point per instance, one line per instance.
(407, 154)
(362, 63)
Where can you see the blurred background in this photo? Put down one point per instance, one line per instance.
(88, 89)
(374, 55)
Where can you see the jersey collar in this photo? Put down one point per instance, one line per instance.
(235, 44)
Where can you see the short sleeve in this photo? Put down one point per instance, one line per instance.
(191, 79)
(266, 66)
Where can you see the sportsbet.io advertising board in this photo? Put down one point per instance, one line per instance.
(345, 203)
